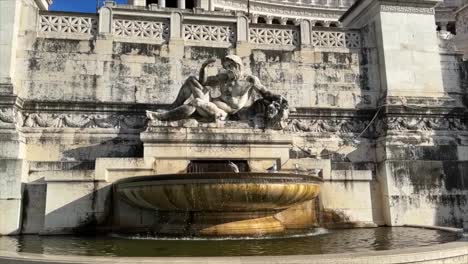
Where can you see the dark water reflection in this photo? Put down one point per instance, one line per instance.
(333, 241)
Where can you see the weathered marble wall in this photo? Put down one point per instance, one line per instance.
(106, 71)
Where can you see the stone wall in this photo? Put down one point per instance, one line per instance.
(106, 71)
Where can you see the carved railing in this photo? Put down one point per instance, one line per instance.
(67, 24)
(222, 34)
(336, 39)
(195, 29)
(141, 29)
(274, 36)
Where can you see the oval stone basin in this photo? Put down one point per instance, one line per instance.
(219, 191)
(223, 203)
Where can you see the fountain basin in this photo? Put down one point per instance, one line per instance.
(222, 203)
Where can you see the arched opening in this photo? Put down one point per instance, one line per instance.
(290, 22)
(333, 25)
(261, 20)
(190, 4)
(275, 22)
(171, 3)
(318, 24)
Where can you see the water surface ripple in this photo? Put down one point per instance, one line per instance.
(315, 242)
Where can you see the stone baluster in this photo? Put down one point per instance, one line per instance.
(284, 21)
(269, 20)
(162, 3)
(326, 23)
(243, 48)
(305, 28)
(176, 38)
(105, 18)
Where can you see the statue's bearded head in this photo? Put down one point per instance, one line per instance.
(233, 66)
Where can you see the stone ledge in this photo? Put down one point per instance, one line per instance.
(350, 175)
(453, 252)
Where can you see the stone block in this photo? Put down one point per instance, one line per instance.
(75, 206)
(10, 217)
(34, 202)
(347, 202)
(114, 169)
(11, 175)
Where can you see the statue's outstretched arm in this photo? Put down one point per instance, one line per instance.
(202, 78)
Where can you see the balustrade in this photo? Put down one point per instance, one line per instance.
(67, 24)
(196, 30)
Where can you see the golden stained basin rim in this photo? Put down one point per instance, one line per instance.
(219, 192)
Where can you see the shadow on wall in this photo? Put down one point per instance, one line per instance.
(125, 144)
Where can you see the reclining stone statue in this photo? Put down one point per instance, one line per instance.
(236, 89)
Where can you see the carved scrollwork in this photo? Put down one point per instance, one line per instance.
(421, 124)
(37, 120)
(327, 125)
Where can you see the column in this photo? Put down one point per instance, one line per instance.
(162, 3)
(181, 4)
(269, 20)
(254, 18)
(204, 4)
(284, 21)
(137, 2)
(443, 25)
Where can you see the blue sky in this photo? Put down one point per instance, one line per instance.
(88, 6)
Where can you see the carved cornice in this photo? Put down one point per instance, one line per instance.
(281, 10)
(421, 124)
(407, 9)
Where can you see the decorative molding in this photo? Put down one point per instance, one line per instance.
(209, 33)
(407, 9)
(67, 24)
(52, 120)
(420, 123)
(327, 125)
(141, 29)
(7, 117)
(336, 39)
(279, 9)
(274, 36)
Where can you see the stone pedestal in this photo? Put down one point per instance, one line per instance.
(406, 38)
(178, 145)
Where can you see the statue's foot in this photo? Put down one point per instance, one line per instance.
(158, 115)
(221, 116)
